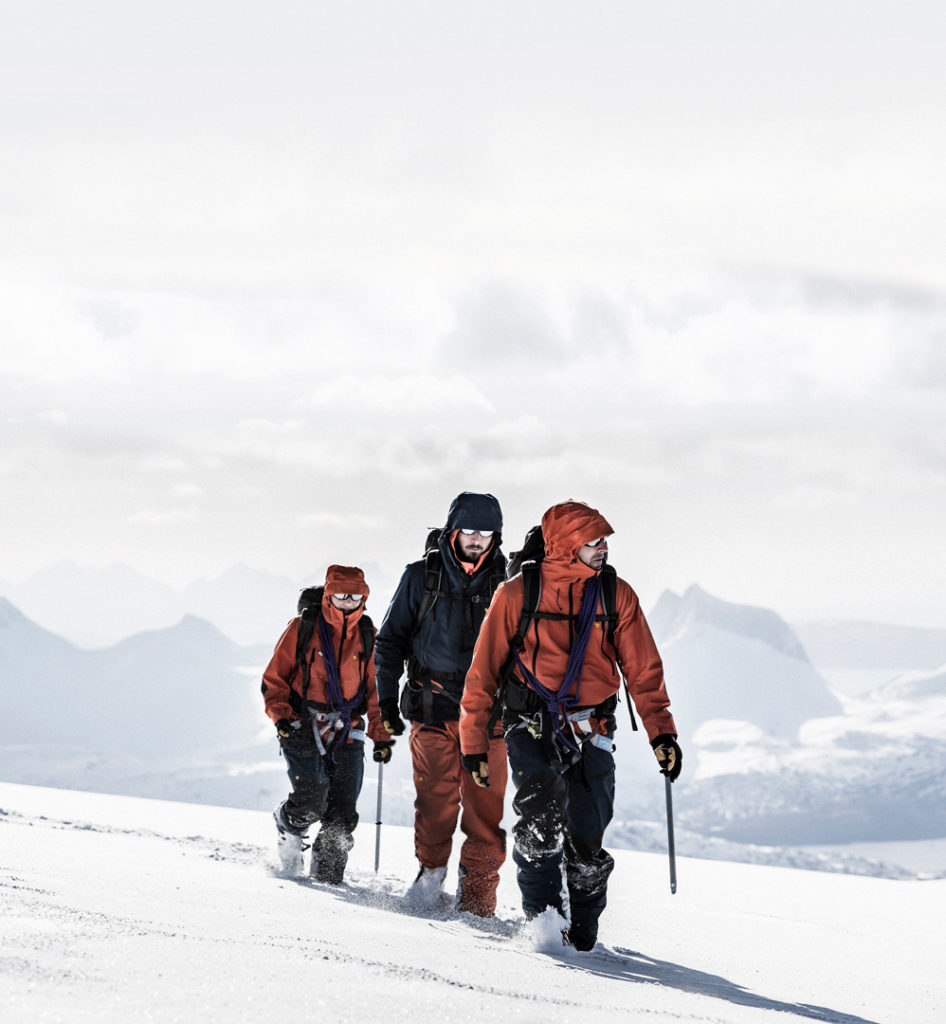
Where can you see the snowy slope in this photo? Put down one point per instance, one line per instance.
(117, 909)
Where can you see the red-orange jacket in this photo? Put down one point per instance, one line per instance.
(282, 675)
(566, 528)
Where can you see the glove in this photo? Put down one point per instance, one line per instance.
(478, 766)
(669, 755)
(382, 751)
(285, 727)
(391, 717)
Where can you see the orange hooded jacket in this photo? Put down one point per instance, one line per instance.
(282, 675)
(566, 527)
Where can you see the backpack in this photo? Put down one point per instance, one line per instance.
(527, 562)
(309, 608)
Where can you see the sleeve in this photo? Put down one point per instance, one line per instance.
(642, 666)
(393, 646)
(489, 656)
(279, 673)
(376, 731)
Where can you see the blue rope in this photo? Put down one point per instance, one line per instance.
(333, 688)
(559, 702)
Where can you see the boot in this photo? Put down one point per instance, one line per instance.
(330, 855)
(476, 894)
(290, 844)
(427, 891)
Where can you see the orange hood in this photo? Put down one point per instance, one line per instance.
(569, 525)
(343, 579)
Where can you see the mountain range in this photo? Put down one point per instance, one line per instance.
(771, 754)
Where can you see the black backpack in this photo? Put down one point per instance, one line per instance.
(309, 607)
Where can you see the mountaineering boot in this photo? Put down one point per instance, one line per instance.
(476, 894)
(290, 844)
(330, 855)
(426, 892)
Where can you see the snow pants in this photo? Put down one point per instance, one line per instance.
(326, 790)
(563, 811)
(442, 788)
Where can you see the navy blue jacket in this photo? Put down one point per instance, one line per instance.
(443, 646)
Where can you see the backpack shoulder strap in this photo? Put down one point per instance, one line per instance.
(531, 592)
(366, 627)
(308, 620)
(609, 599)
(433, 574)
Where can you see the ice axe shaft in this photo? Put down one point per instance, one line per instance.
(377, 824)
(671, 848)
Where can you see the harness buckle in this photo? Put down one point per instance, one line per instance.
(534, 725)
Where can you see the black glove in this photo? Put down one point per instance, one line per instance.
(478, 766)
(669, 755)
(391, 716)
(285, 727)
(382, 751)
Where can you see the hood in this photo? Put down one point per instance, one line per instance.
(472, 511)
(343, 579)
(569, 525)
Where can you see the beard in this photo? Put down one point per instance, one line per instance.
(473, 552)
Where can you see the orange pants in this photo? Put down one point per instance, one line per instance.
(442, 787)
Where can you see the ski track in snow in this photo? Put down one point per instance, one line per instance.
(95, 936)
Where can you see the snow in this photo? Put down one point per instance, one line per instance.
(118, 908)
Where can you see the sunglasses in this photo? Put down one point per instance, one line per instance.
(595, 543)
(482, 533)
(357, 598)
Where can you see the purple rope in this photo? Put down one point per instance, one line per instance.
(560, 701)
(333, 688)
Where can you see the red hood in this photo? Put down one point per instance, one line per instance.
(343, 579)
(568, 526)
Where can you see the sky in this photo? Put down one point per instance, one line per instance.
(278, 280)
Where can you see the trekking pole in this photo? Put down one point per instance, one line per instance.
(377, 824)
(670, 844)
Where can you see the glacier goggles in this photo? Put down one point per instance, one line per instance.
(595, 543)
(482, 533)
(357, 598)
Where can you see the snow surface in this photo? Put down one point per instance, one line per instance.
(118, 908)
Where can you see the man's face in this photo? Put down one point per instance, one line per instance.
(594, 554)
(471, 544)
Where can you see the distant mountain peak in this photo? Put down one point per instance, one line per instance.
(674, 615)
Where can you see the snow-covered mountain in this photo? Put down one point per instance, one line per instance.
(771, 756)
(118, 909)
(736, 663)
(774, 755)
(185, 691)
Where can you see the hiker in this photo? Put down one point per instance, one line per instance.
(559, 694)
(432, 624)
(318, 686)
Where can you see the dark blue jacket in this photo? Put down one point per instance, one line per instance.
(442, 649)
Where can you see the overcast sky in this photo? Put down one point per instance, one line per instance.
(279, 279)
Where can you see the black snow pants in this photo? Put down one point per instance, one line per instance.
(563, 811)
(326, 790)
